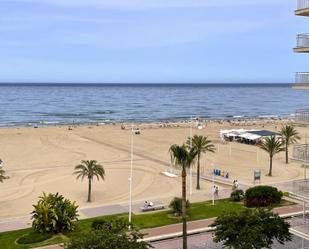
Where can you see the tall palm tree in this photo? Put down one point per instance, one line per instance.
(183, 157)
(201, 145)
(2, 174)
(289, 136)
(89, 169)
(273, 146)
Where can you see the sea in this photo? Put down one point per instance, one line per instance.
(57, 104)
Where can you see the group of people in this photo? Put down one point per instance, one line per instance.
(216, 191)
(148, 204)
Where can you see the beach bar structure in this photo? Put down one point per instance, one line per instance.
(246, 136)
(302, 46)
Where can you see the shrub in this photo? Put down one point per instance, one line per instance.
(176, 206)
(237, 195)
(112, 234)
(98, 224)
(33, 237)
(262, 196)
(250, 228)
(53, 214)
(115, 225)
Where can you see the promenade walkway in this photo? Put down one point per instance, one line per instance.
(11, 224)
(88, 212)
(170, 229)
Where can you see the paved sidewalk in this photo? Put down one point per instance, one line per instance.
(51, 247)
(205, 223)
(17, 223)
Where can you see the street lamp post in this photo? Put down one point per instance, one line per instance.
(191, 148)
(130, 180)
(213, 183)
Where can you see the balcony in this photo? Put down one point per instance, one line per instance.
(301, 151)
(302, 82)
(302, 45)
(302, 8)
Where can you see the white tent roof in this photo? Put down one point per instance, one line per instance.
(239, 133)
(249, 136)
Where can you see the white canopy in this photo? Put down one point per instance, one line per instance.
(239, 133)
(250, 136)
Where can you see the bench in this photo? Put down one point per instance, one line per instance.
(152, 208)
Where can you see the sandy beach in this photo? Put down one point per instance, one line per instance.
(43, 159)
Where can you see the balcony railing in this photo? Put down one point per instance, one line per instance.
(302, 78)
(301, 151)
(302, 41)
(302, 4)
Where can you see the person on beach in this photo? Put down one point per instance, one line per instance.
(148, 204)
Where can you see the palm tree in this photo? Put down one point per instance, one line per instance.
(183, 157)
(272, 145)
(201, 145)
(289, 136)
(2, 174)
(89, 169)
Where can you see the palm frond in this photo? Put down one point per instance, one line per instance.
(272, 145)
(89, 169)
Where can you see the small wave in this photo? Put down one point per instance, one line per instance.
(49, 122)
(103, 112)
(62, 114)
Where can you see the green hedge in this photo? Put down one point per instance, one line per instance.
(176, 206)
(33, 237)
(262, 196)
(237, 195)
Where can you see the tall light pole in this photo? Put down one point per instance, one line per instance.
(190, 149)
(130, 179)
(213, 183)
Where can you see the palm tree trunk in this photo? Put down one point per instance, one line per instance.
(270, 165)
(286, 153)
(89, 189)
(184, 211)
(198, 173)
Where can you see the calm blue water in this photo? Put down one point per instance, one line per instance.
(22, 105)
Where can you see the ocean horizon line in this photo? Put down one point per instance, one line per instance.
(145, 84)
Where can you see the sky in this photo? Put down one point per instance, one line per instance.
(150, 41)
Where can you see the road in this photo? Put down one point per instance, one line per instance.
(203, 241)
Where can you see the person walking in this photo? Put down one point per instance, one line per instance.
(217, 192)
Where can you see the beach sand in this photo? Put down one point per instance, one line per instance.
(43, 159)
